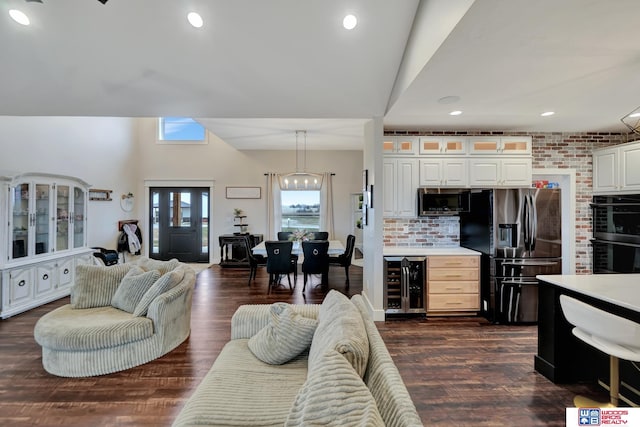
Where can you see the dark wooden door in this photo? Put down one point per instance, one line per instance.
(179, 223)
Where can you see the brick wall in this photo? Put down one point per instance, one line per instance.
(556, 150)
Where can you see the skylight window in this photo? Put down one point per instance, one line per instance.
(181, 130)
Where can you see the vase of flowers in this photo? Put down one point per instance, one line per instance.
(301, 236)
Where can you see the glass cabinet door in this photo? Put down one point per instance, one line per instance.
(21, 220)
(78, 217)
(62, 218)
(42, 214)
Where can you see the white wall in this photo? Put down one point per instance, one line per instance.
(226, 166)
(98, 150)
(119, 154)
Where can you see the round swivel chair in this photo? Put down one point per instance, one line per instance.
(613, 335)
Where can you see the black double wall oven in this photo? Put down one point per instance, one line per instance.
(616, 234)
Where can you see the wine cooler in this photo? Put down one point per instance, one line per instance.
(404, 284)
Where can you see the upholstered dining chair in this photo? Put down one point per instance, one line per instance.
(284, 235)
(320, 235)
(344, 259)
(613, 335)
(316, 259)
(279, 262)
(254, 260)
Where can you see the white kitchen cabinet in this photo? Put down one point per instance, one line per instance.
(507, 145)
(617, 169)
(500, 172)
(400, 145)
(400, 182)
(447, 145)
(443, 172)
(45, 230)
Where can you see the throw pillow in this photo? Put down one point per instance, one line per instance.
(341, 328)
(334, 395)
(287, 335)
(133, 287)
(162, 285)
(95, 285)
(163, 267)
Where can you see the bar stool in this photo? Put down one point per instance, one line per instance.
(616, 336)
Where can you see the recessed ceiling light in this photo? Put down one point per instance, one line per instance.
(547, 113)
(195, 19)
(634, 115)
(349, 22)
(19, 17)
(455, 113)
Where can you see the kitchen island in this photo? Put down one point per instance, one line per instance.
(562, 357)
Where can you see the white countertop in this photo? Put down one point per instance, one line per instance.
(619, 289)
(421, 250)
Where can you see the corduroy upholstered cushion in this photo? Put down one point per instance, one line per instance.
(95, 285)
(334, 395)
(133, 287)
(287, 335)
(163, 284)
(340, 327)
(163, 267)
(66, 328)
(242, 391)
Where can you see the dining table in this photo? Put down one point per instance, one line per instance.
(335, 248)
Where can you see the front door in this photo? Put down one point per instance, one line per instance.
(179, 223)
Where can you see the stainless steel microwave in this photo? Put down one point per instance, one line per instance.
(441, 201)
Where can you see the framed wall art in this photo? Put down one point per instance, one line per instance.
(244, 192)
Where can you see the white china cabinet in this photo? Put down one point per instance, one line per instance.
(43, 239)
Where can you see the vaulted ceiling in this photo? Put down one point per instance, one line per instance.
(260, 69)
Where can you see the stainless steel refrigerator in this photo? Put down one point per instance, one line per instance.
(518, 232)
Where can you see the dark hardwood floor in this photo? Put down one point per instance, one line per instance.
(459, 371)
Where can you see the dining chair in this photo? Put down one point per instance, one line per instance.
(279, 262)
(254, 260)
(284, 235)
(321, 235)
(344, 259)
(316, 260)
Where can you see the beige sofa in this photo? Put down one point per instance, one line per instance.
(119, 317)
(317, 387)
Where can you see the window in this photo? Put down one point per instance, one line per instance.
(300, 210)
(173, 130)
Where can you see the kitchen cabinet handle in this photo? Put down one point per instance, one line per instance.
(22, 283)
(66, 271)
(449, 288)
(45, 276)
(454, 303)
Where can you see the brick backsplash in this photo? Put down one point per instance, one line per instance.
(557, 150)
(427, 231)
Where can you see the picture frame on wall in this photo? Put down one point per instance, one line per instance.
(364, 215)
(243, 192)
(365, 180)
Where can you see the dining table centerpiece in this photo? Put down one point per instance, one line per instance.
(301, 236)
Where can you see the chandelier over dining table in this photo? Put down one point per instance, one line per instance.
(301, 179)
